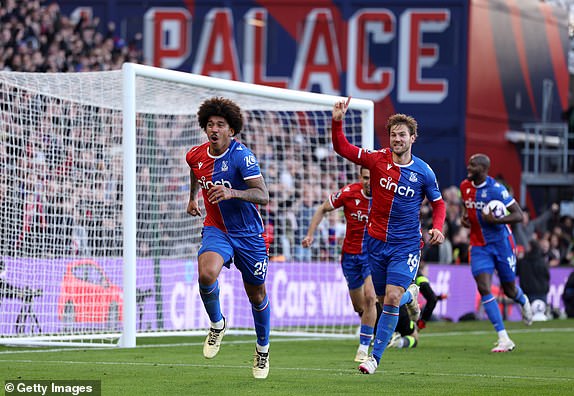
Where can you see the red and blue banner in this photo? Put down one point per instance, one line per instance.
(467, 70)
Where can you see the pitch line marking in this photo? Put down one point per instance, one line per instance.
(320, 369)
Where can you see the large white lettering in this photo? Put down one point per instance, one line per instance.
(470, 204)
(335, 300)
(291, 298)
(389, 184)
(167, 36)
(207, 184)
(442, 286)
(360, 216)
(318, 64)
(415, 55)
(186, 309)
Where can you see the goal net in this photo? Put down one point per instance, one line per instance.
(96, 245)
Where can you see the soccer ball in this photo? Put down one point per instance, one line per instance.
(497, 208)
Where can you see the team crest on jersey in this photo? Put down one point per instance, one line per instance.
(413, 177)
(199, 165)
(483, 195)
(224, 167)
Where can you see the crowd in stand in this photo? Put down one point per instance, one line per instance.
(38, 38)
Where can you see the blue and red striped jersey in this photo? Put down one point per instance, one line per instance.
(398, 190)
(231, 169)
(355, 206)
(477, 197)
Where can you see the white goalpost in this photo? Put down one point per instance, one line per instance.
(97, 248)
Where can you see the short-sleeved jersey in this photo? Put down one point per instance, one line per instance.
(398, 192)
(355, 206)
(477, 197)
(231, 169)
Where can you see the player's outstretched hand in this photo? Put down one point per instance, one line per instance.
(193, 208)
(307, 241)
(340, 108)
(436, 237)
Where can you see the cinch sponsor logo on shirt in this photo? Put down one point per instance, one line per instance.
(470, 204)
(360, 216)
(389, 184)
(207, 184)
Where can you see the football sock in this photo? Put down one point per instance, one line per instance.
(520, 298)
(503, 335)
(210, 297)
(429, 295)
(491, 308)
(262, 349)
(411, 342)
(406, 298)
(366, 335)
(262, 320)
(385, 328)
(408, 342)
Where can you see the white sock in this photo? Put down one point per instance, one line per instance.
(364, 348)
(218, 325)
(503, 335)
(262, 349)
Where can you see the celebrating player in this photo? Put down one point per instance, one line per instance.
(355, 199)
(492, 244)
(399, 183)
(232, 187)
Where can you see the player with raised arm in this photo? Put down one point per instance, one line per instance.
(399, 183)
(492, 244)
(355, 200)
(232, 186)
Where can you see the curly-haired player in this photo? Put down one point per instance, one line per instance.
(232, 186)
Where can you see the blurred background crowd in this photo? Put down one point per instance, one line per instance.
(36, 37)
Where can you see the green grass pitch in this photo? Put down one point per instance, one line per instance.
(451, 359)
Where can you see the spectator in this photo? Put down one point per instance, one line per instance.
(533, 272)
(38, 38)
(525, 231)
(551, 256)
(568, 296)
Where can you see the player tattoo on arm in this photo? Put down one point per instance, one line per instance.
(256, 193)
(193, 206)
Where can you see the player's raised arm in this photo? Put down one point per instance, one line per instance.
(340, 108)
(340, 142)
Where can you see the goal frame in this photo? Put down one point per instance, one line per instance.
(129, 73)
